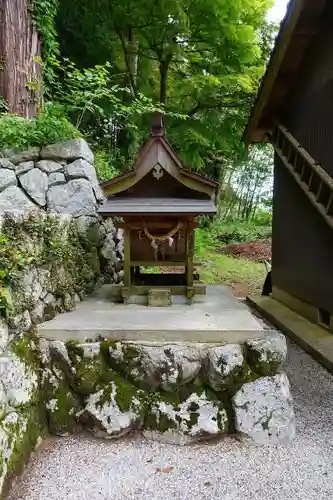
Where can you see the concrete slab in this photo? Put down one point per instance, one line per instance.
(314, 339)
(220, 319)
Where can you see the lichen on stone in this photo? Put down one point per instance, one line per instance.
(18, 381)
(115, 410)
(152, 367)
(199, 416)
(20, 430)
(223, 365)
(263, 410)
(89, 368)
(266, 355)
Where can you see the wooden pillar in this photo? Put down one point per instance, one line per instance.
(189, 261)
(127, 264)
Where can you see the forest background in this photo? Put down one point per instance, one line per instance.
(99, 68)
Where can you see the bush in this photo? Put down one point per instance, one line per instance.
(242, 232)
(104, 166)
(212, 233)
(50, 127)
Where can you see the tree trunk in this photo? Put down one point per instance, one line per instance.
(164, 68)
(20, 59)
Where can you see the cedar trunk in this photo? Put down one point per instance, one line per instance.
(20, 59)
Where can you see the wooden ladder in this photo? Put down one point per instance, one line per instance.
(309, 175)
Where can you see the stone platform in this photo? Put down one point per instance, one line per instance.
(220, 318)
(177, 374)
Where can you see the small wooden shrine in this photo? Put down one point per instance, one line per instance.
(158, 201)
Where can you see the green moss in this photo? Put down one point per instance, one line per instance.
(157, 419)
(263, 368)
(160, 423)
(44, 243)
(22, 442)
(90, 373)
(26, 348)
(235, 382)
(126, 394)
(62, 410)
(125, 359)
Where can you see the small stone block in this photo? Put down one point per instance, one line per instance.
(159, 297)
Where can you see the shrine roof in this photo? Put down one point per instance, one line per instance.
(151, 206)
(302, 22)
(156, 156)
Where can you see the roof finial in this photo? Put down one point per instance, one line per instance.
(157, 126)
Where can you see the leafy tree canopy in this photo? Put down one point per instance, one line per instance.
(201, 59)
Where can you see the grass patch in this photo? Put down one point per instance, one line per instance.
(243, 276)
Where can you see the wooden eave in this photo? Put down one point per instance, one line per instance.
(298, 27)
(124, 207)
(158, 151)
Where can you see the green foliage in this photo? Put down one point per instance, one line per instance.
(242, 275)
(200, 59)
(44, 243)
(44, 13)
(241, 232)
(105, 165)
(233, 231)
(98, 107)
(12, 262)
(50, 127)
(111, 63)
(251, 181)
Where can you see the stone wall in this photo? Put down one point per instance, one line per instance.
(48, 219)
(22, 412)
(60, 179)
(54, 249)
(174, 393)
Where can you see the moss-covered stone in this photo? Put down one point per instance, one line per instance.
(61, 361)
(266, 355)
(62, 410)
(43, 256)
(19, 382)
(115, 410)
(27, 349)
(152, 367)
(20, 432)
(89, 367)
(171, 418)
(224, 364)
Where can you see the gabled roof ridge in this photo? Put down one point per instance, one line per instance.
(291, 27)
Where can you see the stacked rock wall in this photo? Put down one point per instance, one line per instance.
(175, 393)
(49, 224)
(22, 411)
(54, 249)
(60, 179)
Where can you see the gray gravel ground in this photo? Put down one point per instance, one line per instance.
(80, 468)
